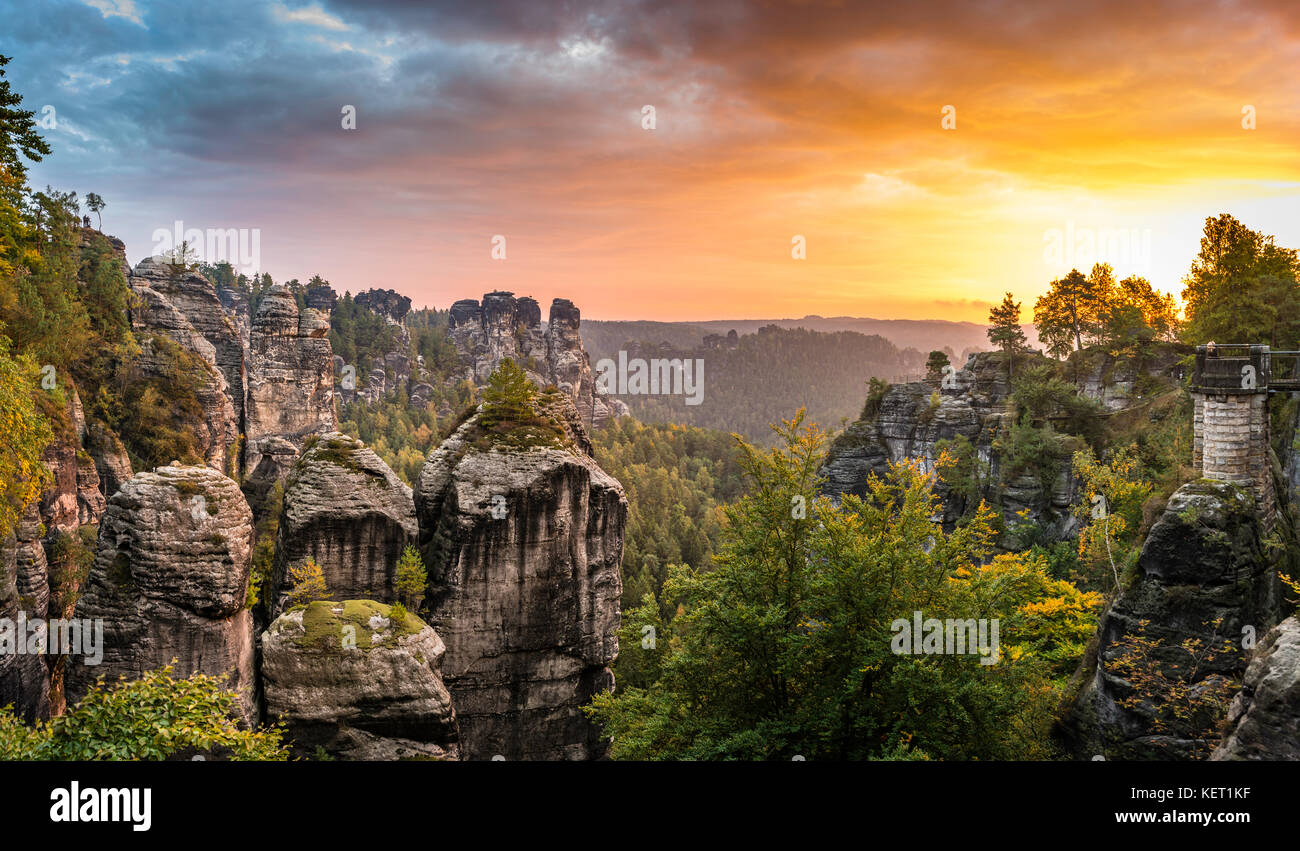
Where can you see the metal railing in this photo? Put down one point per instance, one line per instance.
(1232, 368)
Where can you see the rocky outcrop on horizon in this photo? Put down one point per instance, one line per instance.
(350, 678)
(347, 510)
(290, 384)
(504, 326)
(170, 581)
(523, 549)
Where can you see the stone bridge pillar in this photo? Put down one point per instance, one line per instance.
(1230, 424)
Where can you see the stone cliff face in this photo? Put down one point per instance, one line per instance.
(170, 581)
(24, 678)
(508, 327)
(290, 384)
(352, 679)
(196, 299)
(523, 549)
(1204, 575)
(1265, 716)
(914, 418)
(161, 328)
(346, 509)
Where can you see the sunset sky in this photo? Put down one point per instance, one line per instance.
(772, 120)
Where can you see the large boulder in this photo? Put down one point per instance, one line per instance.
(347, 510)
(523, 546)
(352, 678)
(170, 581)
(1265, 714)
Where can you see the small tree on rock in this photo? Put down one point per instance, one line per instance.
(307, 583)
(1004, 328)
(412, 577)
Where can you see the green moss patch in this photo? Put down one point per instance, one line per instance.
(325, 624)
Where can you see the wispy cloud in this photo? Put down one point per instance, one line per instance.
(312, 15)
(117, 9)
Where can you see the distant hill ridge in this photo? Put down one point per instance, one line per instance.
(604, 337)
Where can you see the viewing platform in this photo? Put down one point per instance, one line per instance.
(1237, 368)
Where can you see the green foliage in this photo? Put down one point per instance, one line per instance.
(156, 411)
(959, 468)
(782, 647)
(18, 136)
(412, 577)
(1242, 288)
(151, 718)
(876, 390)
(773, 373)
(306, 583)
(676, 479)
(1110, 511)
(24, 433)
(513, 414)
(359, 335)
(264, 544)
(934, 365)
(1004, 328)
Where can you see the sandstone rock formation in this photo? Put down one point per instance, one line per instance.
(1204, 574)
(170, 344)
(523, 548)
(1265, 714)
(196, 299)
(346, 509)
(24, 677)
(345, 677)
(389, 304)
(508, 327)
(973, 404)
(108, 453)
(170, 581)
(290, 382)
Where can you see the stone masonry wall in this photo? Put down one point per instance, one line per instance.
(1231, 444)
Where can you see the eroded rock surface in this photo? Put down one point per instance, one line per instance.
(1204, 575)
(350, 678)
(1265, 715)
(170, 581)
(347, 510)
(523, 548)
(290, 381)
